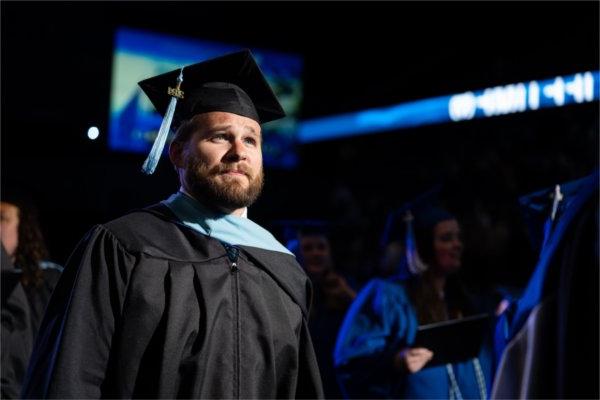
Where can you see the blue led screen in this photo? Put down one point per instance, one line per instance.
(500, 100)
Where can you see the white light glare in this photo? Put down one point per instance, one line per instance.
(462, 106)
(556, 91)
(93, 133)
(502, 100)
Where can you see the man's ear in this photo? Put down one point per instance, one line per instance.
(176, 153)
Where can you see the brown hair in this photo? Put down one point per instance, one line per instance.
(184, 131)
(428, 304)
(31, 249)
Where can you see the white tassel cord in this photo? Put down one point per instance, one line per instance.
(165, 127)
(454, 390)
(159, 143)
(415, 264)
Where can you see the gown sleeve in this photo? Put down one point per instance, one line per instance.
(16, 337)
(378, 324)
(72, 351)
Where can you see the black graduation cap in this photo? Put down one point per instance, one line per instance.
(232, 83)
(422, 211)
(420, 214)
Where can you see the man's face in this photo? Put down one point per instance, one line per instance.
(222, 161)
(447, 246)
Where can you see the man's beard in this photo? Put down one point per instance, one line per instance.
(209, 186)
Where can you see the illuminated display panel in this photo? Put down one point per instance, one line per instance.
(500, 100)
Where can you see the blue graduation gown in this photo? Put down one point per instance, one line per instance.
(547, 340)
(379, 323)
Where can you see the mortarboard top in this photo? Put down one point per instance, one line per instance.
(424, 211)
(231, 83)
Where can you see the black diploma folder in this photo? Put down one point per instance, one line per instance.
(454, 340)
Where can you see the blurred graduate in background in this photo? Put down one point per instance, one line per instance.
(375, 352)
(333, 292)
(28, 279)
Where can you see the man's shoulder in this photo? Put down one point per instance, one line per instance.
(155, 231)
(142, 221)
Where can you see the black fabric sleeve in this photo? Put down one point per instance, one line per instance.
(71, 353)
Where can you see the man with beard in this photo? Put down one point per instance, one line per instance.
(187, 298)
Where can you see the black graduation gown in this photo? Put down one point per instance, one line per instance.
(21, 314)
(149, 308)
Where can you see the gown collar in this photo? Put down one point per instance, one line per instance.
(226, 228)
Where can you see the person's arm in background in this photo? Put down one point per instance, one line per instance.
(378, 326)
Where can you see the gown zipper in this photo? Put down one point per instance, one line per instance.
(233, 254)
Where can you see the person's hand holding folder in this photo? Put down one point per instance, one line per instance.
(412, 359)
(453, 341)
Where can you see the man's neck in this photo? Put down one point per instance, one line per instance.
(240, 212)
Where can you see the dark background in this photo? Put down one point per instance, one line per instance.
(56, 64)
